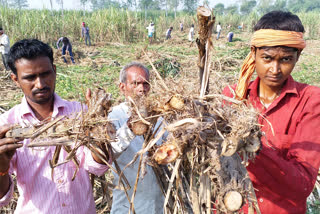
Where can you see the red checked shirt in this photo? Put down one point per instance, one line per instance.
(285, 171)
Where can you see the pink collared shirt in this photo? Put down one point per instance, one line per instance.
(39, 193)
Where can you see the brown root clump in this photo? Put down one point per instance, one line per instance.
(89, 127)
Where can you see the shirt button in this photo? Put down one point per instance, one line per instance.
(261, 200)
(60, 181)
(63, 204)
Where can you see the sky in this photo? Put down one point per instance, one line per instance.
(75, 4)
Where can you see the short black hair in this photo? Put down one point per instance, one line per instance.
(28, 49)
(1, 28)
(280, 20)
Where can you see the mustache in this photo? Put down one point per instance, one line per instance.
(45, 89)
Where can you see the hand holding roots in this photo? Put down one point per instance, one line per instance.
(89, 128)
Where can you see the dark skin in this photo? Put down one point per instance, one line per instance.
(137, 83)
(273, 66)
(36, 78)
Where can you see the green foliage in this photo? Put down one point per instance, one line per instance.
(18, 4)
(190, 5)
(247, 6)
(219, 9)
(101, 4)
(167, 67)
(106, 25)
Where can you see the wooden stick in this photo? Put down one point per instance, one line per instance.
(163, 84)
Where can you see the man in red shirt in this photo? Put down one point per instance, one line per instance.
(285, 171)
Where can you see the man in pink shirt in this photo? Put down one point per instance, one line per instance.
(31, 62)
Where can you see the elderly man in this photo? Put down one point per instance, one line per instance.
(134, 81)
(285, 171)
(31, 62)
(4, 48)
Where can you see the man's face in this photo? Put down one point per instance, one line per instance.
(137, 83)
(36, 78)
(1, 32)
(274, 64)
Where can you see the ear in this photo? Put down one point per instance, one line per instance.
(54, 69)
(298, 55)
(15, 79)
(253, 51)
(122, 87)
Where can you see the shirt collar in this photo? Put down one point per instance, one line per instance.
(58, 105)
(289, 87)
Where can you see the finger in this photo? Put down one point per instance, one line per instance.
(88, 95)
(9, 148)
(5, 141)
(4, 129)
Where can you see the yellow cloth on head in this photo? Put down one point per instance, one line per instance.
(266, 38)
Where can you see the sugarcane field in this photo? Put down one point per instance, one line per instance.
(154, 106)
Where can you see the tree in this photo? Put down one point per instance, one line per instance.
(190, 5)
(83, 3)
(3, 3)
(233, 9)
(247, 6)
(100, 4)
(219, 9)
(149, 4)
(51, 4)
(174, 4)
(265, 6)
(19, 4)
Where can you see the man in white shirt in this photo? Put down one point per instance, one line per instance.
(218, 30)
(191, 33)
(134, 81)
(4, 48)
(150, 29)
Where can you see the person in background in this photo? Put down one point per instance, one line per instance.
(150, 29)
(181, 26)
(66, 46)
(149, 199)
(218, 30)
(85, 33)
(168, 33)
(285, 170)
(42, 190)
(191, 33)
(230, 36)
(4, 48)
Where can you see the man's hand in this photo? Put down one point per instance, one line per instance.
(8, 147)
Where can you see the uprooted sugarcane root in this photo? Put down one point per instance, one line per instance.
(168, 152)
(139, 113)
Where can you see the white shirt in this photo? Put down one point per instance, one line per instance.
(218, 28)
(150, 29)
(4, 44)
(191, 34)
(149, 198)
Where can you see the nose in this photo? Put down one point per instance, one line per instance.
(275, 67)
(40, 83)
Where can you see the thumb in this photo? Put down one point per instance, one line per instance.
(88, 94)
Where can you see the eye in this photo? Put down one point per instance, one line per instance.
(267, 58)
(286, 59)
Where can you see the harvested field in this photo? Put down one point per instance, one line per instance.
(99, 66)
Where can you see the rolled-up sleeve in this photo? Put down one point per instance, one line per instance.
(92, 166)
